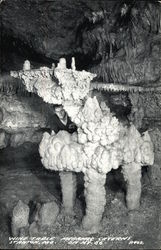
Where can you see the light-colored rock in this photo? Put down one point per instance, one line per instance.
(95, 195)
(48, 214)
(68, 187)
(62, 63)
(132, 175)
(19, 218)
(73, 64)
(26, 65)
(102, 143)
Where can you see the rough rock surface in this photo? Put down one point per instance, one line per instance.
(26, 181)
(104, 36)
(4, 139)
(19, 114)
(145, 106)
(155, 171)
(98, 128)
(24, 118)
(51, 25)
(48, 214)
(68, 191)
(27, 135)
(20, 218)
(100, 144)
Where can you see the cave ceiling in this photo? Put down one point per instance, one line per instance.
(118, 40)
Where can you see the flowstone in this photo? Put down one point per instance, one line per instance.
(101, 143)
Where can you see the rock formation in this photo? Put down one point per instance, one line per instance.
(104, 36)
(100, 144)
(68, 191)
(20, 218)
(28, 222)
(48, 213)
(23, 118)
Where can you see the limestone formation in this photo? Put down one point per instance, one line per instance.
(27, 135)
(114, 87)
(68, 191)
(26, 65)
(21, 119)
(48, 214)
(18, 114)
(95, 196)
(20, 218)
(132, 174)
(137, 111)
(100, 144)
(4, 139)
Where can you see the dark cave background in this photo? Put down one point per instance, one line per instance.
(118, 40)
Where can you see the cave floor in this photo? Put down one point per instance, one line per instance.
(23, 177)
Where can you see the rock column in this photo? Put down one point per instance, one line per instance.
(95, 196)
(132, 175)
(68, 187)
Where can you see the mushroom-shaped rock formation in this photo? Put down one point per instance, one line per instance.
(100, 144)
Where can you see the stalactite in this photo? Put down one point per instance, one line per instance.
(114, 87)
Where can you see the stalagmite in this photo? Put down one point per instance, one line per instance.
(100, 144)
(20, 218)
(132, 175)
(73, 64)
(95, 196)
(26, 65)
(68, 187)
(62, 63)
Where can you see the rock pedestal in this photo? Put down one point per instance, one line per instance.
(68, 186)
(132, 175)
(95, 196)
(48, 214)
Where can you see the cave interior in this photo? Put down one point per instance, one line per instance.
(119, 41)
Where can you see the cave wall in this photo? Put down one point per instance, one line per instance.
(119, 40)
(24, 118)
(42, 30)
(124, 47)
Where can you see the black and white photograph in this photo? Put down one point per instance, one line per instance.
(80, 124)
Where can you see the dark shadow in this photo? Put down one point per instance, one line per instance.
(32, 205)
(50, 179)
(80, 191)
(115, 181)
